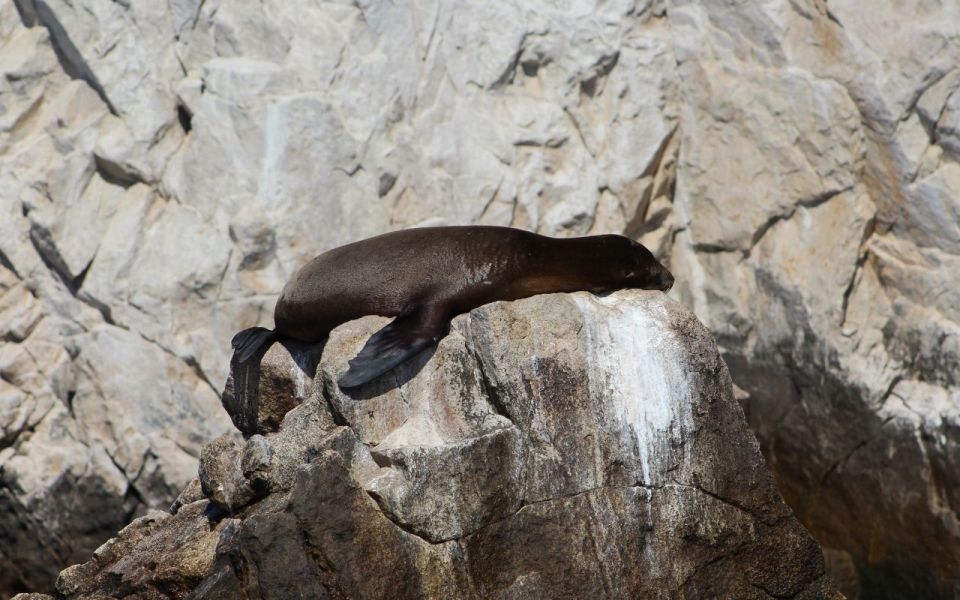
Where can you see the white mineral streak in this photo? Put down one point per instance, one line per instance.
(639, 363)
(418, 431)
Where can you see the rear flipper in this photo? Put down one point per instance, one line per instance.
(401, 339)
(244, 403)
(247, 342)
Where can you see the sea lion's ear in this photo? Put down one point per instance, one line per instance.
(401, 339)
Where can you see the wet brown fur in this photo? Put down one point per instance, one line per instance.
(445, 271)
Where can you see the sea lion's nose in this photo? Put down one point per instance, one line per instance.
(666, 281)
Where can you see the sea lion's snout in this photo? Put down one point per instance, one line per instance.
(665, 281)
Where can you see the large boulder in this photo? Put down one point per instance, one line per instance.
(562, 446)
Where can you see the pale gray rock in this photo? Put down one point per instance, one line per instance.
(140, 423)
(562, 446)
(166, 167)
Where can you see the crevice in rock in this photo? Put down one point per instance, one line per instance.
(906, 405)
(190, 361)
(196, 16)
(770, 522)
(193, 363)
(405, 527)
(638, 224)
(918, 95)
(832, 16)
(491, 200)
(576, 127)
(326, 575)
(489, 389)
(350, 170)
(338, 418)
(808, 203)
(848, 291)
(7, 379)
(27, 12)
(184, 118)
(72, 62)
(100, 307)
(8, 264)
(530, 67)
(399, 387)
(524, 504)
(934, 133)
(77, 281)
(46, 248)
(846, 457)
(890, 387)
(138, 499)
(801, 10)
(657, 161)
(68, 401)
(386, 183)
(701, 567)
(114, 174)
(508, 74)
(708, 248)
(226, 267)
(602, 68)
(14, 437)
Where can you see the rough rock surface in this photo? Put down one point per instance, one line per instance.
(165, 166)
(563, 446)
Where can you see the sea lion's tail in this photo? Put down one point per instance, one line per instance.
(249, 341)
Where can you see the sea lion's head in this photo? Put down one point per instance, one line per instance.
(641, 269)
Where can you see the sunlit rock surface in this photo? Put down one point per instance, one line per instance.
(563, 446)
(165, 167)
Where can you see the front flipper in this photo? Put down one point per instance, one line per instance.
(401, 339)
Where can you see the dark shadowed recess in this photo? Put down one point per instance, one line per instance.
(843, 494)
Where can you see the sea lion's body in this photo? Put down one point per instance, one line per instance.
(426, 276)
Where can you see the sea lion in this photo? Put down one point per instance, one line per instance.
(426, 276)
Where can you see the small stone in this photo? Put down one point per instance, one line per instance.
(192, 493)
(221, 477)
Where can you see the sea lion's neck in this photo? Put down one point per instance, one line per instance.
(572, 264)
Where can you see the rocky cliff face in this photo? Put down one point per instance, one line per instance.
(166, 166)
(563, 446)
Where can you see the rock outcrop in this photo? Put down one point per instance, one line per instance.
(165, 167)
(562, 446)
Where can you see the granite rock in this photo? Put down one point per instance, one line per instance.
(600, 432)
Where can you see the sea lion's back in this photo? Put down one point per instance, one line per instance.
(391, 273)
